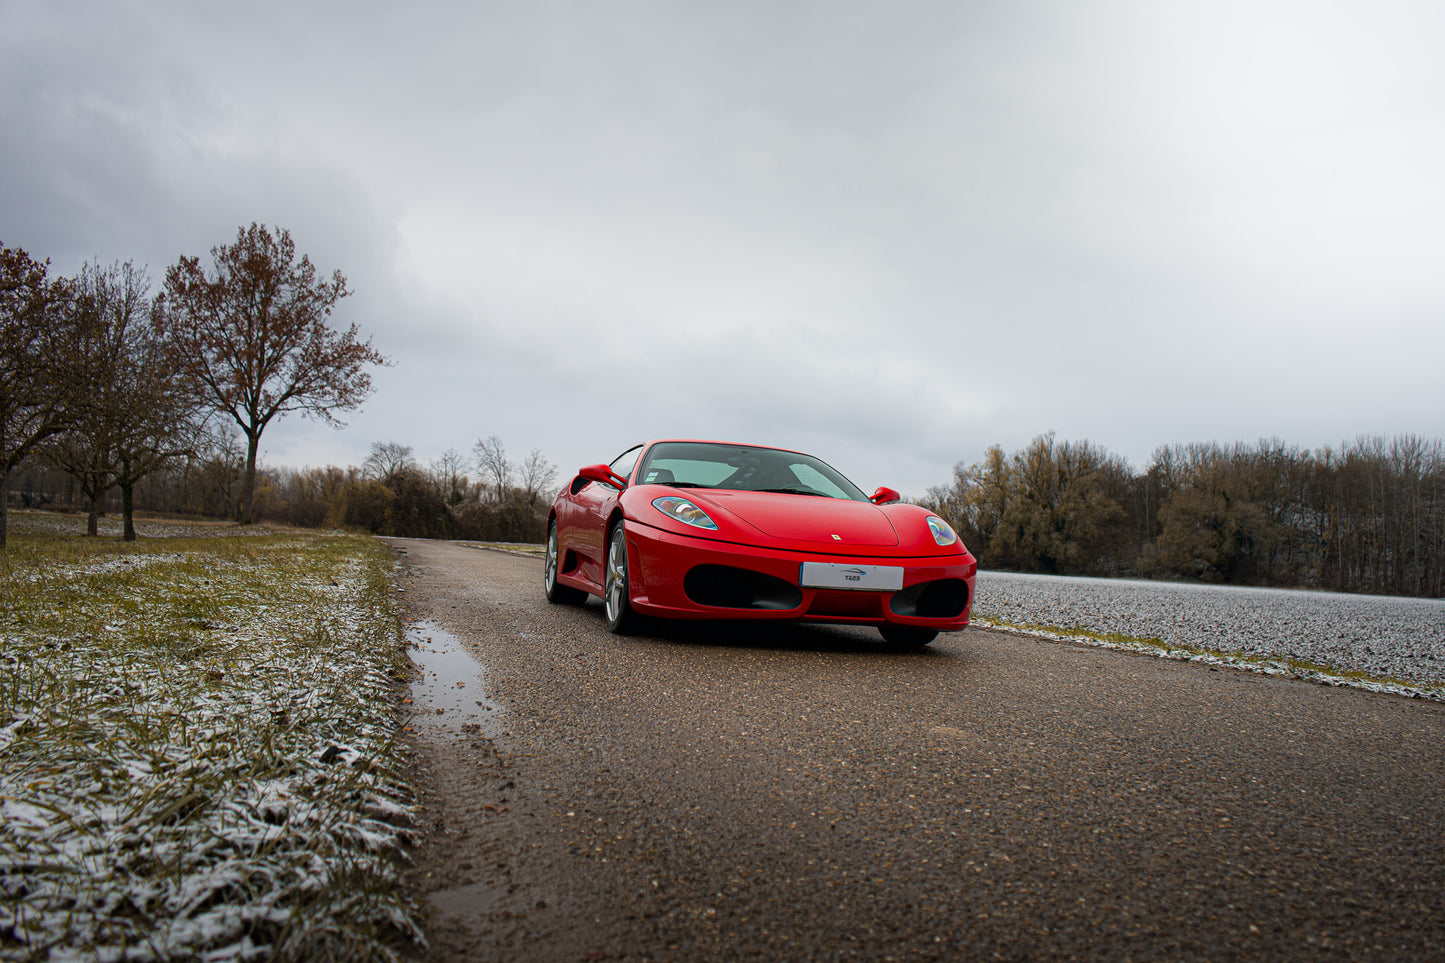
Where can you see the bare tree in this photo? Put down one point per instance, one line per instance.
(387, 459)
(221, 471)
(447, 475)
(254, 333)
(537, 474)
(491, 458)
(37, 369)
(87, 460)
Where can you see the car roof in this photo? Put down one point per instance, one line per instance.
(712, 441)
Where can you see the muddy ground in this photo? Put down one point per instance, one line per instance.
(725, 792)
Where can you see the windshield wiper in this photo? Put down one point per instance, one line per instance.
(793, 491)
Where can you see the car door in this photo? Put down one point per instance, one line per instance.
(591, 506)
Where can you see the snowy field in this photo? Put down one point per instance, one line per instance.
(197, 747)
(1380, 643)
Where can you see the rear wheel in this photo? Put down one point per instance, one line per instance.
(557, 593)
(617, 597)
(906, 636)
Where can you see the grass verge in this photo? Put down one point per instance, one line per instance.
(198, 752)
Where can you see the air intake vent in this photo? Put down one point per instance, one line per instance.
(725, 587)
(945, 598)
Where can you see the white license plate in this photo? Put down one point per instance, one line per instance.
(841, 575)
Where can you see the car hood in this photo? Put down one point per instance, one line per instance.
(837, 522)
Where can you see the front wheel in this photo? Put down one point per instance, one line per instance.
(557, 593)
(617, 599)
(906, 636)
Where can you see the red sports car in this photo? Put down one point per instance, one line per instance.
(710, 530)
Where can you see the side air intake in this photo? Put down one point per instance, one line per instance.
(945, 598)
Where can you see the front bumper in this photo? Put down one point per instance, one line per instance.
(937, 591)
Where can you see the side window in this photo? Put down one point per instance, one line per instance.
(623, 463)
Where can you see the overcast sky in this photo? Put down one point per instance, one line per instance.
(891, 234)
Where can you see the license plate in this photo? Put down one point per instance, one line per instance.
(840, 575)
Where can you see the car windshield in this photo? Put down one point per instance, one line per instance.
(693, 464)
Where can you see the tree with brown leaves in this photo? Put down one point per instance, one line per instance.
(135, 411)
(37, 373)
(254, 333)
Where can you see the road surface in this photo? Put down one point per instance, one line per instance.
(735, 792)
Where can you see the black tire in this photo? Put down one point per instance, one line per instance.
(617, 590)
(557, 593)
(906, 636)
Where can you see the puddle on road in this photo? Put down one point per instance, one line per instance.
(449, 693)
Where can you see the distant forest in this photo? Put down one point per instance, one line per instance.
(1367, 517)
(485, 496)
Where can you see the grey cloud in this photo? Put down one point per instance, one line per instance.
(1135, 223)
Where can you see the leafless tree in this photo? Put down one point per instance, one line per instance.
(491, 458)
(448, 474)
(37, 362)
(254, 333)
(88, 463)
(537, 474)
(387, 458)
(221, 471)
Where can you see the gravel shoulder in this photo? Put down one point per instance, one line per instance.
(717, 792)
(1381, 643)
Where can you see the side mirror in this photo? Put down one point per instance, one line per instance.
(884, 496)
(603, 474)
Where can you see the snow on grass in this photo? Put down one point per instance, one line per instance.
(32, 522)
(1394, 645)
(198, 753)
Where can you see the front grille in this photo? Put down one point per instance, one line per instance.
(725, 587)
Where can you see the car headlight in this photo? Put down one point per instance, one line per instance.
(684, 511)
(942, 532)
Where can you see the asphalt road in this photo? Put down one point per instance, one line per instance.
(727, 792)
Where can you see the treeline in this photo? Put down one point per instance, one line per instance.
(1368, 517)
(391, 493)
